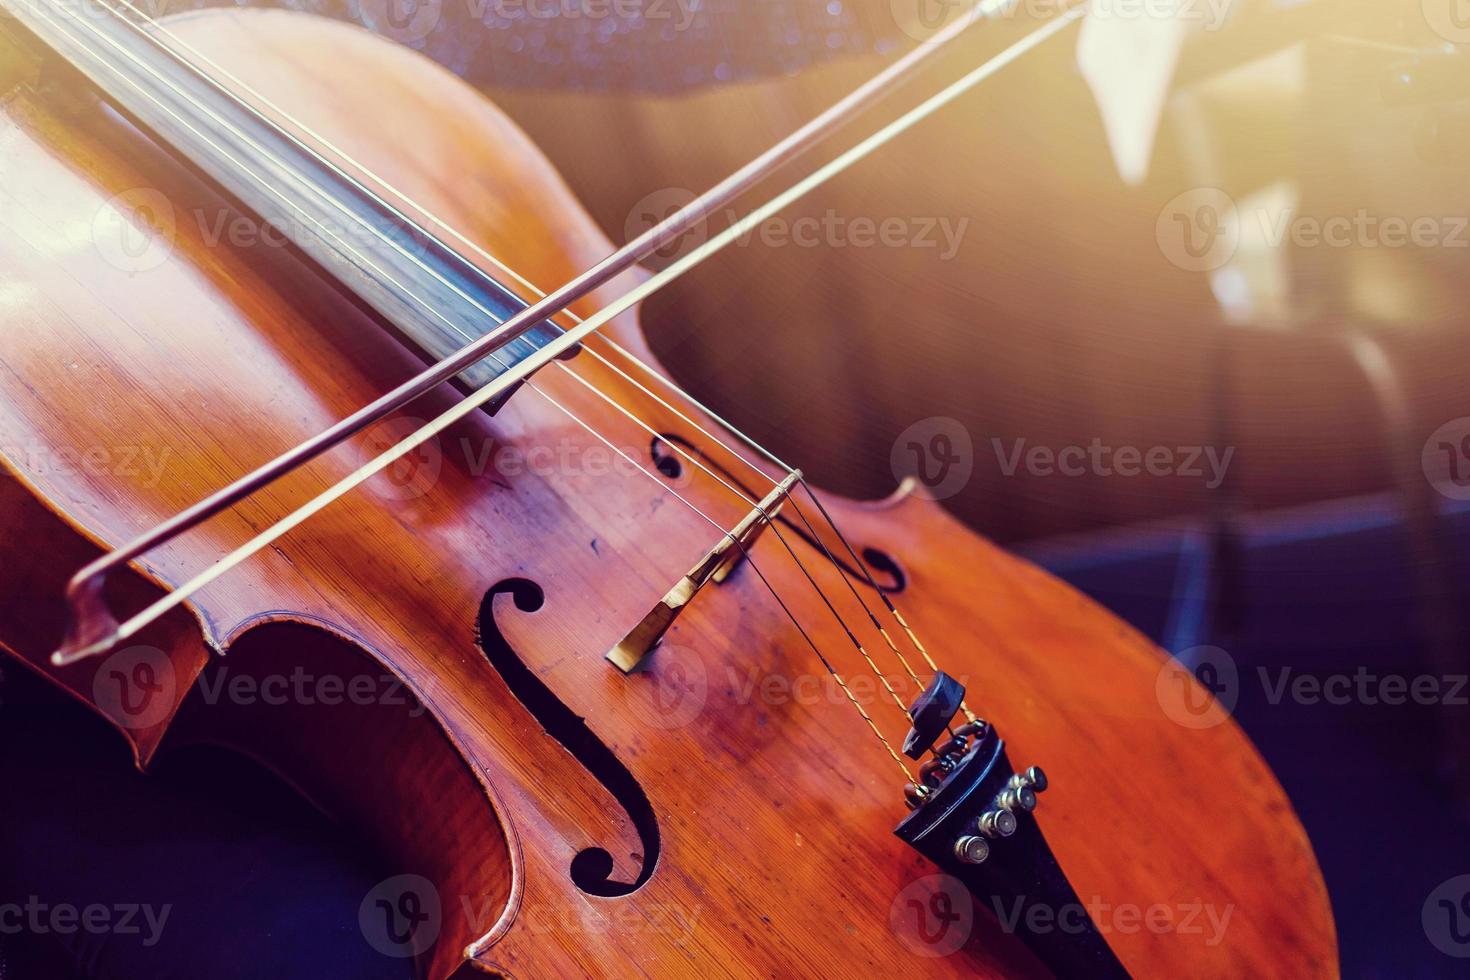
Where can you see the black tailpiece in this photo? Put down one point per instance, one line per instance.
(973, 818)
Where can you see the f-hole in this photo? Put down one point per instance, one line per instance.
(886, 564)
(665, 460)
(591, 869)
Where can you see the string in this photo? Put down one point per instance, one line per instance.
(159, 608)
(634, 296)
(281, 113)
(341, 208)
(857, 562)
(89, 618)
(337, 151)
(327, 232)
(892, 607)
(564, 342)
(776, 530)
(452, 326)
(770, 587)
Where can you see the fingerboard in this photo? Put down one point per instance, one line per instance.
(431, 295)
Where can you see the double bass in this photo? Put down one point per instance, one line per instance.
(611, 688)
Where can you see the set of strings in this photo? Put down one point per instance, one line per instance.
(197, 58)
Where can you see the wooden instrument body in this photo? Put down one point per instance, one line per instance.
(129, 393)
